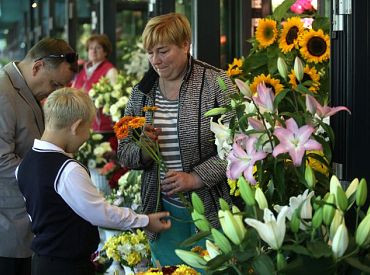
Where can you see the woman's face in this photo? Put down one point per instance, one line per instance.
(169, 60)
(96, 52)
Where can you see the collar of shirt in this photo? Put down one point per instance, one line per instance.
(45, 145)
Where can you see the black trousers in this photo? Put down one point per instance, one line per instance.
(45, 265)
(15, 266)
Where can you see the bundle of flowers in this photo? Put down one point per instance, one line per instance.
(128, 191)
(170, 270)
(128, 248)
(112, 98)
(279, 148)
(92, 152)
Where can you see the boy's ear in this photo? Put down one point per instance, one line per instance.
(75, 126)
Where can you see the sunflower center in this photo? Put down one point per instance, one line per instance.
(268, 33)
(291, 35)
(306, 77)
(268, 85)
(316, 46)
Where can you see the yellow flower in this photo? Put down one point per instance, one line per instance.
(234, 187)
(234, 68)
(316, 164)
(290, 33)
(150, 108)
(266, 32)
(269, 82)
(133, 258)
(315, 46)
(309, 73)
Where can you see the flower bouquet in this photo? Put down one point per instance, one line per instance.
(170, 270)
(91, 153)
(278, 147)
(129, 248)
(128, 191)
(112, 98)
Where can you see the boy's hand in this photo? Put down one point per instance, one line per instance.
(158, 222)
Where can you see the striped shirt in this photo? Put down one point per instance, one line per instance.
(166, 119)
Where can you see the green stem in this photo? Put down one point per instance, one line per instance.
(236, 269)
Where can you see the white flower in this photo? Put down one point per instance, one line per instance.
(91, 163)
(223, 137)
(272, 231)
(340, 241)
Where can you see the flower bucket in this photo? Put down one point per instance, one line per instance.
(100, 182)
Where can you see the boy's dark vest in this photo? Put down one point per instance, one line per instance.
(59, 231)
(102, 123)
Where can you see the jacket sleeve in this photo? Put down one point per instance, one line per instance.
(8, 159)
(212, 170)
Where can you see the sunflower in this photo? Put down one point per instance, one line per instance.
(266, 32)
(269, 82)
(315, 46)
(290, 33)
(234, 68)
(308, 74)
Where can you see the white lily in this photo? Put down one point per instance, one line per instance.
(223, 137)
(303, 201)
(212, 249)
(272, 231)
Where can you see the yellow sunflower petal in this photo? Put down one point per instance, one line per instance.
(266, 32)
(290, 33)
(315, 46)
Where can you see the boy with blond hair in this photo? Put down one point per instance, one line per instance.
(63, 205)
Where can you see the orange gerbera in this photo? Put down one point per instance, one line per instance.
(150, 108)
(136, 122)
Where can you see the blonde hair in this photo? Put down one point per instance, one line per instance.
(171, 28)
(67, 105)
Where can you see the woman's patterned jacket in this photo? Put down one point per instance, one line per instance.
(199, 93)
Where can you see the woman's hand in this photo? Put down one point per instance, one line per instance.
(180, 182)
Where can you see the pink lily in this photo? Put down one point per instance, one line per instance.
(244, 88)
(295, 141)
(242, 158)
(265, 98)
(314, 107)
(256, 124)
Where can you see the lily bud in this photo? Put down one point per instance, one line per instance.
(328, 209)
(191, 258)
(317, 218)
(341, 199)
(244, 87)
(261, 199)
(223, 204)
(216, 111)
(282, 68)
(363, 231)
(298, 69)
(295, 222)
(200, 221)
(361, 193)
(310, 178)
(212, 249)
(340, 241)
(337, 220)
(197, 203)
(221, 241)
(239, 220)
(246, 192)
(230, 227)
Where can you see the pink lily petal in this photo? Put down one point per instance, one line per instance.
(244, 88)
(256, 124)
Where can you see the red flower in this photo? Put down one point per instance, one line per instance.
(113, 181)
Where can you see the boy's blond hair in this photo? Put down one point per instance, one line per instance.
(171, 28)
(67, 105)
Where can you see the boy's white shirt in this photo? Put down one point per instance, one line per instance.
(77, 190)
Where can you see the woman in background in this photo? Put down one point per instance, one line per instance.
(98, 49)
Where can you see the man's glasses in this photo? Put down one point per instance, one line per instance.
(69, 57)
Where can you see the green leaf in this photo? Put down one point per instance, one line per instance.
(263, 265)
(355, 262)
(319, 249)
(217, 261)
(195, 238)
(279, 97)
(221, 83)
(298, 249)
(197, 203)
(216, 111)
(282, 9)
